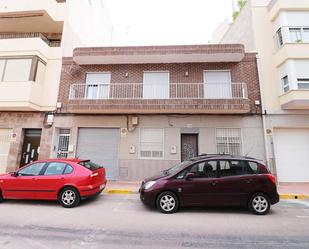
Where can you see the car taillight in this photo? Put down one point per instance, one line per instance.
(272, 178)
(94, 174)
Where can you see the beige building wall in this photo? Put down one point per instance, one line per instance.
(173, 125)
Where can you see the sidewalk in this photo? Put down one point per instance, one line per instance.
(286, 190)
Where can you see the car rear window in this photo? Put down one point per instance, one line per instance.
(90, 165)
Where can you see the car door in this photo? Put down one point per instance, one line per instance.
(233, 182)
(201, 189)
(51, 180)
(23, 184)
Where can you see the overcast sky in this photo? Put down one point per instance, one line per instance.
(167, 22)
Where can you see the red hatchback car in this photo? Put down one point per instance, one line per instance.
(65, 180)
(212, 180)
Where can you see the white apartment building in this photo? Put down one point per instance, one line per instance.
(34, 36)
(278, 30)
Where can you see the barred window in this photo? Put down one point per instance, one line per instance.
(229, 141)
(151, 143)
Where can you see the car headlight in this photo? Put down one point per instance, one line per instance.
(149, 184)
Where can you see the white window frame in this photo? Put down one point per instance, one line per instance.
(230, 94)
(140, 144)
(98, 85)
(304, 80)
(284, 84)
(169, 81)
(231, 128)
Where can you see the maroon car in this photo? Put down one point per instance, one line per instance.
(212, 180)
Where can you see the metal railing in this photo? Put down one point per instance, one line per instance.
(159, 91)
(291, 34)
(30, 35)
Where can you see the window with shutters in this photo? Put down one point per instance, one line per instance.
(229, 141)
(151, 143)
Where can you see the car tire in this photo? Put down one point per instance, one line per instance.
(259, 204)
(69, 197)
(167, 202)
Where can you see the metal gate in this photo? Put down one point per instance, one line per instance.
(100, 145)
(63, 143)
(5, 135)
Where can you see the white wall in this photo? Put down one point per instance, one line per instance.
(291, 18)
(87, 24)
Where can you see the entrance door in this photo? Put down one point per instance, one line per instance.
(217, 85)
(189, 146)
(31, 146)
(97, 85)
(4, 148)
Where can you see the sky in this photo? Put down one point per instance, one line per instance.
(166, 22)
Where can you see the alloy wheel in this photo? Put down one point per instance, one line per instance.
(68, 197)
(260, 204)
(167, 203)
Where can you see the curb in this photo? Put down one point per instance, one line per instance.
(121, 191)
(294, 196)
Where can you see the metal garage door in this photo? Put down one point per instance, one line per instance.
(100, 145)
(5, 135)
(292, 154)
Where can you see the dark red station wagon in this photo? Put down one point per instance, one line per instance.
(65, 180)
(212, 180)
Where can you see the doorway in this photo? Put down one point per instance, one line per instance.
(189, 146)
(31, 146)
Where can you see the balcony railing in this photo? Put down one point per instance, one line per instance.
(30, 35)
(292, 34)
(159, 91)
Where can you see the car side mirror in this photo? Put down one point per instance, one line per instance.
(189, 176)
(14, 174)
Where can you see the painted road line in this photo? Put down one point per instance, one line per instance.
(120, 191)
(294, 196)
(305, 203)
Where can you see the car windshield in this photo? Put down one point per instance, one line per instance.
(90, 165)
(178, 167)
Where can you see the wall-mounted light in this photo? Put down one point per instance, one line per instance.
(127, 75)
(49, 119)
(187, 74)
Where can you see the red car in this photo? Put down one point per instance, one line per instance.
(65, 180)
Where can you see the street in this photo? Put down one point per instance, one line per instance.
(121, 221)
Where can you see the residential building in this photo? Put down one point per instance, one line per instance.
(278, 30)
(34, 36)
(139, 110)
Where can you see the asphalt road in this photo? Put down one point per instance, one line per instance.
(121, 221)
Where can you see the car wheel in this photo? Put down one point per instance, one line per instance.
(69, 197)
(167, 202)
(259, 204)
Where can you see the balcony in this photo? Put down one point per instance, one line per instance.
(173, 98)
(276, 6)
(16, 44)
(295, 100)
(32, 16)
(292, 43)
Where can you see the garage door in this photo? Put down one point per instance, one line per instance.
(292, 154)
(5, 135)
(100, 146)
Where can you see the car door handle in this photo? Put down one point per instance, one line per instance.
(248, 180)
(213, 183)
(34, 179)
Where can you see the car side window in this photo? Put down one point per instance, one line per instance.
(68, 170)
(31, 170)
(205, 169)
(231, 168)
(253, 167)
(55, 168)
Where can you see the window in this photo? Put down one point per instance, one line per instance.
(254, 167)
(63, 143)
(90, 165)
(295, 34)
(285, 84)
(232, 168)
(68, 170)
(303, 83)
(305, 34)
(156, 85)
(151, 143)
(206, 169)
(97, 85)
(55, 169)
(217, 85)
(21, 69)
(229, 141)
(279, 37)
(31, 170)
